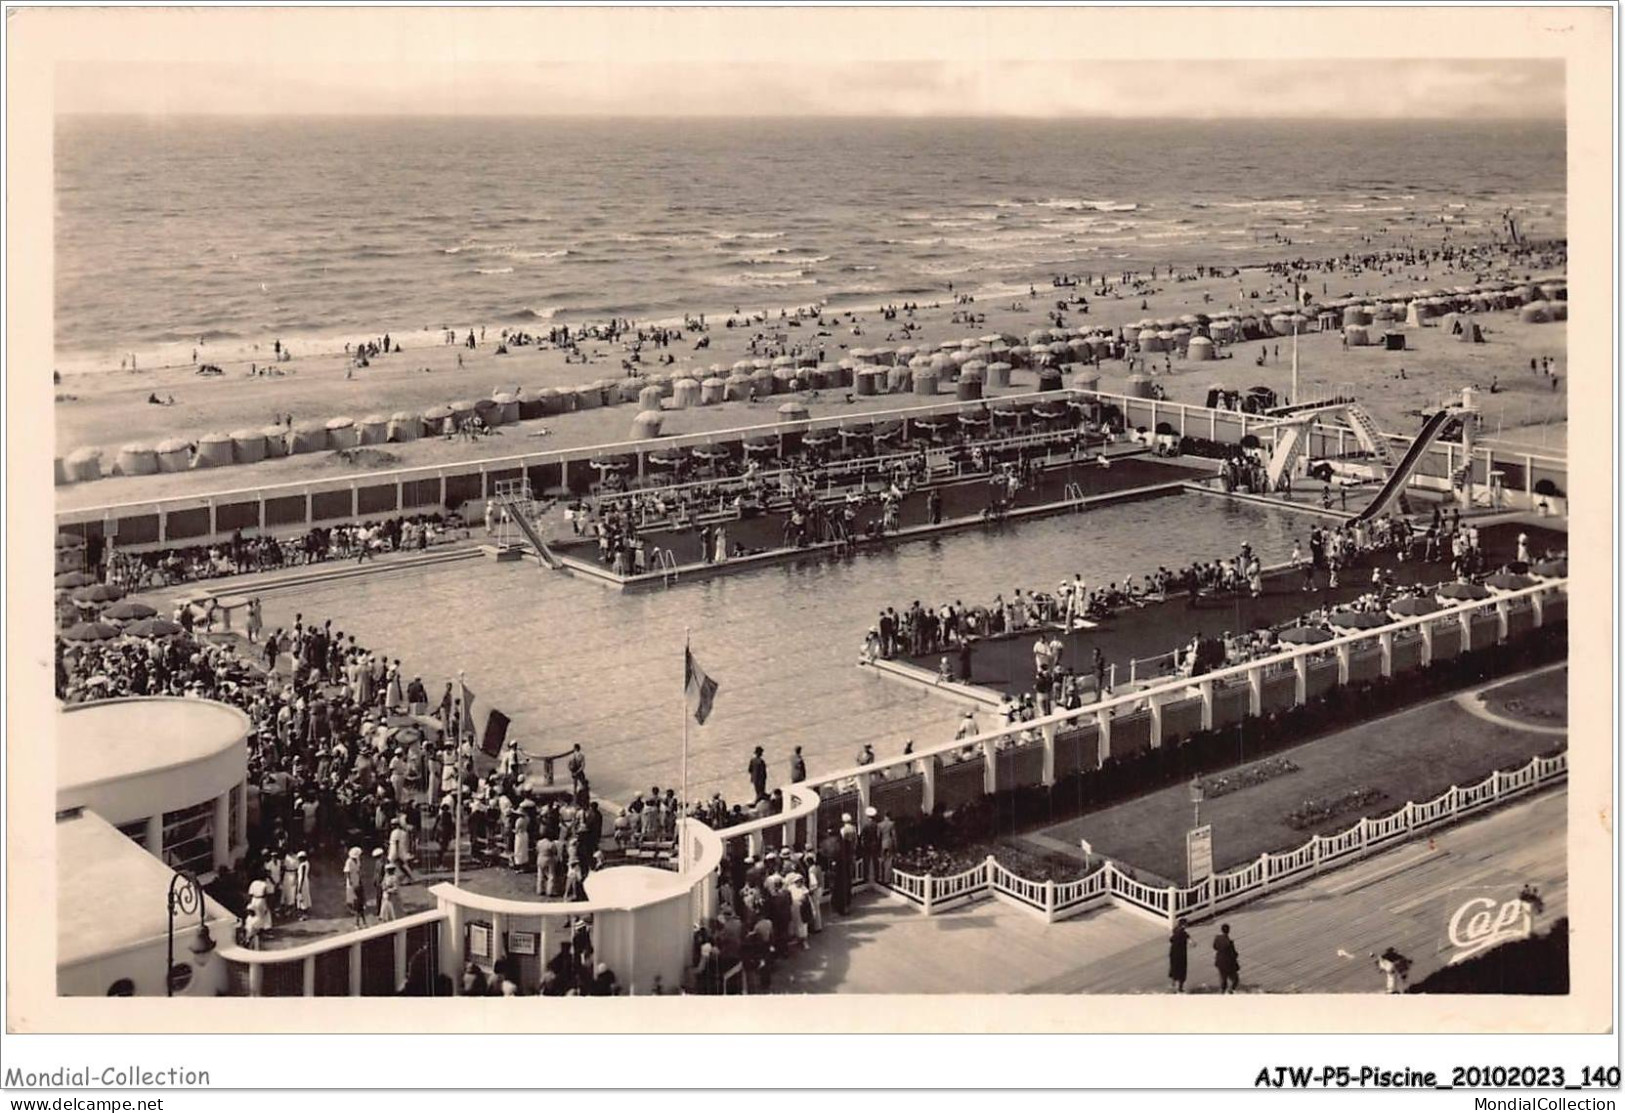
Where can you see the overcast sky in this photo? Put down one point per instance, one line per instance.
(912, 62)
(1386, 89)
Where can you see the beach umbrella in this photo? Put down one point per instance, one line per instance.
(154, 627)
(1305, 635)
(69, 541)
(1509, 581)
(75, 579)
(821, 437)
(708, 452)
(89, 632)
(1550, 568)
(1358, 620)
(1413, 605)
(612, 464)
(857, 432)
(128, 610)
(665, 457)
(889, 431)
(98, 593)
(1463, 591)
(761, 446)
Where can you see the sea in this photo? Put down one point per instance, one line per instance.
(168, 231)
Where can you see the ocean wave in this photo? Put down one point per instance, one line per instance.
(770, 279)
(493, 270)
(1096, 206)
(747, 235)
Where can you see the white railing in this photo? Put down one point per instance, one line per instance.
(1104, 711)
(1052, 901)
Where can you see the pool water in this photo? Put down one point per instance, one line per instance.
(570, 661)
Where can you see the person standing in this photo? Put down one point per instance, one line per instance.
(1178, 943)
(841, 898)
(1226, 960)
(355, 895)
(798, 767)
(389, 905)
(578, 768)
(301, 888)
(758, 773)
(887, 832)
(869, 845)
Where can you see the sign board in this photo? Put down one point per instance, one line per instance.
(1199, 854)
(479, 940)
(522, 942)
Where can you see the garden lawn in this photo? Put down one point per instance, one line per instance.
(1538, 700)
(1413, 755)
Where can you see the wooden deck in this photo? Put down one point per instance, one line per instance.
(1293, 942)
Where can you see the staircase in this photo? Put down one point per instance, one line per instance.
(1290, 442)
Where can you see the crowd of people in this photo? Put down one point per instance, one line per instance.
(363, 540)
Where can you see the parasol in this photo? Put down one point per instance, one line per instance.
(89, 632)
(1305, 635)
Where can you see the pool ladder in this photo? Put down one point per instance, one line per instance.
(666, 564)
(1073, 493)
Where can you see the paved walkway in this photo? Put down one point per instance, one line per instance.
(1314, 937)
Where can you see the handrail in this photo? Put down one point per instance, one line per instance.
(252, 957)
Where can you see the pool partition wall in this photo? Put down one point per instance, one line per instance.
(208, 518)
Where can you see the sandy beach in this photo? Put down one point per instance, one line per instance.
(106, 409)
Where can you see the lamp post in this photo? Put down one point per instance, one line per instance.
(186, 897)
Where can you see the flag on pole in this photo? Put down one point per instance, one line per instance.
(700, 689)
(467, 725)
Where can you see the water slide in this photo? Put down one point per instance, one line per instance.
(1397, 479)
(517, 516)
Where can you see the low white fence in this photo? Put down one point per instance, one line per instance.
(1054, 901)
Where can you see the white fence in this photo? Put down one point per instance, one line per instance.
(1052, 901)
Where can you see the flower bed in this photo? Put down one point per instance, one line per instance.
(1312, 813)
(1223, 784)
(1032, 865)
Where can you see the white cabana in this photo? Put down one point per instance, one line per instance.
(137, 459)
(213, 451)
(247, 446)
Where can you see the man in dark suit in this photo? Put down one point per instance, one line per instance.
(1226, 960)
(758, 773)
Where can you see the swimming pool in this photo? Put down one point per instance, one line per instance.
(572, 661)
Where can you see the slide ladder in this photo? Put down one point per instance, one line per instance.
(517, 514)
(1292, 438)
(1393, 487)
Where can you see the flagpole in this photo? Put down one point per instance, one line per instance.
(457, 764)
(682, 799)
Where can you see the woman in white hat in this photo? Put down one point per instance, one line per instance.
(355, 895)
(289, 896)
(389, 905)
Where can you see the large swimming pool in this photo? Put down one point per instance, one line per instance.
(572, 661)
